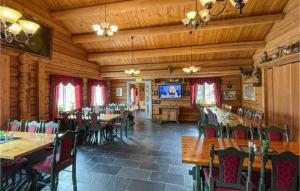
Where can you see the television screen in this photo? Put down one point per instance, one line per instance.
(171, 91)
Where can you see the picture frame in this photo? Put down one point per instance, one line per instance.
(187, 93)
(229, 95)
(155, 93)
(153, 101)
(158, 102)
(119, 92)
(249, 92)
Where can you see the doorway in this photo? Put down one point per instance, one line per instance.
(139, 94)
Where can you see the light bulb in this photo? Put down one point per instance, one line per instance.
(96, 27)
(114, 28)
(15, 29)
(28, 26)
(100, 32)
(207, 3)
(9, 15)
(186, 21)
(191, 14)
(204, 13)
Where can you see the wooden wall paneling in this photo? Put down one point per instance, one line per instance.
(24, 90)
(41, 90)
(295, 99)
(85, 93)
(4, 91)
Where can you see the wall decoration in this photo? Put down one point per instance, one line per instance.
(155, 93)
(229, 95)
(153, 101)
(119, 92)
(187, 93)
(249, 92)
(158, 102)
(40, 43)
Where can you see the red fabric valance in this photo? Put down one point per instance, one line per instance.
(55, 80)
(91, 90)
(194, 82)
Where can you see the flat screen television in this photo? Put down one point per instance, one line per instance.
(170, 91)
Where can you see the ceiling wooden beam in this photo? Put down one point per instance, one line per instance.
(176, 73)
(116, 8)
(175, 29)
(175, 65)
(179, 51)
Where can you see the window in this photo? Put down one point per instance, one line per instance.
(98, 95)
(206, 94)
(66, 101)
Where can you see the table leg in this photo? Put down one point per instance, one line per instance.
(196, 173)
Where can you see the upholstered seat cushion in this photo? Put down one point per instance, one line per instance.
(275, 136)
(286, 170)
(216, 177)
(14, 127)
(49, 129)
(117, 124)
(10, 167)
(45, 165)
(240, 134)
(210, 132)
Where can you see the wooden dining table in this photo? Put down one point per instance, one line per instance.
(234, 120)
(24, 143)
(196, 151)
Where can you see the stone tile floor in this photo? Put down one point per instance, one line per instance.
(150, 160)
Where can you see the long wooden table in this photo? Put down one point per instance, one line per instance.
(195, 150)
(235, 119)
(26, 143)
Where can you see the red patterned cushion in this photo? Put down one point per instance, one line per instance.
(210, 132)
(230, 168)
(14, 127)
(275, 136)
(216, 177)
(45, 165)
(285, 170)
(32, 129)
(240, 134)
(49, 129)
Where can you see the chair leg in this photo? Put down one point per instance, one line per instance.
(74, 180)
(121, 133)
(52, 183)
(56, 181)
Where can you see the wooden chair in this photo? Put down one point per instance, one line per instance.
(51, 127)
(212, 131)
(80, 124)
(95, 127)
(273, 133)
(284, 172)
(33, 127)
(121, 123)
(14, 125)
(65, 122)
(228, 176)
(64, 155)
(248, 114)
(239, 132)
(240, 112)
(258, 118)
(203, 119)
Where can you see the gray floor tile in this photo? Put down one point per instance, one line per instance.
(155, 167)
(135, 173)
(106, 169)
(167, 178)
(139, 185)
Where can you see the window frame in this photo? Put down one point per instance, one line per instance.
(203, 95)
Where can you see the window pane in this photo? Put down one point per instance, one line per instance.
(97, 95)
(70, 97)
(206, 94)
(200, 98)
(61, 98)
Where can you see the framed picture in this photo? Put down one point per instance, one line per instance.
(229, 95)
(187, 93)
(157, 101)
(119, 92)
(153, 101)
(155, 93)
(249, 92)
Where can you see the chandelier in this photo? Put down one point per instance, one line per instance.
(132, 72)
(105, 29)
(12, 24)
(191, 69)
(196, 18)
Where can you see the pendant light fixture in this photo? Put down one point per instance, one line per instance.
(105, 29)
(191, 69)
(132, 72)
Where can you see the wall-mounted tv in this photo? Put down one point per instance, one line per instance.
(170, 91)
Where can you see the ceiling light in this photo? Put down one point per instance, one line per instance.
(132, 72)
(15, 29)
(29, 27)
(9, 15)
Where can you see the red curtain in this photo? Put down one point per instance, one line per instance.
(55, 80)
(133, 94)
(91, 90)
(194, 82)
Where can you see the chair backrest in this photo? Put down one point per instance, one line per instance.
(97, 109)
(94, 121)
(258, 118)
(212, 131)
(33, 127)
(284, 173)
(239, 132)
(203, 118)
(109, 111)
(79, 120)
(248, 114)
(65, 119)
(273, 133)
(230, 168)
(64, 149)
(14, 125)
(51, 127)
(240, 112)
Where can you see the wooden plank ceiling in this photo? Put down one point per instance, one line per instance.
(161, 40)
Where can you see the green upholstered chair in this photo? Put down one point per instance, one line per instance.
(33, 127)
(229, 174)
(274, 133)
(239, 132)
(284, 172)
(14, 125)
(64, 155)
